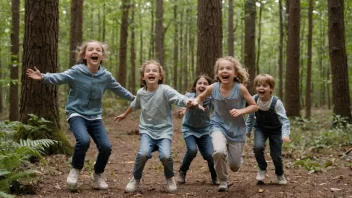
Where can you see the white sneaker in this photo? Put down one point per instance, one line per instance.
(72, 179)
(261, 175)
(224, 186)
(99, 181)
(281, 180)
(171, 185)
(132, 185)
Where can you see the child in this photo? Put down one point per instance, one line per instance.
(227, 123)
(88, 80)
(155, 127)
(270, 122)
(196, 130)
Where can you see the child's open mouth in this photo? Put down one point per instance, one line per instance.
(151, 78)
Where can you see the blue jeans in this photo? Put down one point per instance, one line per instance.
(275, 143)
(205, 147)
(149, 145)
(82, 129)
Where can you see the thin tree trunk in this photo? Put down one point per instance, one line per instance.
(104, 23)
(231, 40)
(259, 36)
(175, 46)
(309, 65)
(249, 46)
(281, 44)
(123, 44)
(14, 113)
(159, 34)
(133, 53)
(292, 97)
(338, 59)
(152, 36)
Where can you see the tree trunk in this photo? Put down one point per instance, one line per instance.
(309, 65)
(293, 60)
(159, 35)
(338, 59)
(133, 54)
(230, 31)
(281, 54)
(175, 54)
(14, 114)
(209, 35)
(249, 43)
(40, 50)
(123, 44)
(75, 29)
(259, 36)
(152, 35)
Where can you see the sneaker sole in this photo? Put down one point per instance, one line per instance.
(72, 187)
(223, 189)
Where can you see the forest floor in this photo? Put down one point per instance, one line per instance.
(336, 181)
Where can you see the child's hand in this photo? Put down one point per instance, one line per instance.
(248, 135)
(120, 117)
(182, 112)
(202, 108)
(195, 102)
(286, 139)
(189, 102)
(236, 112)
(34, 74)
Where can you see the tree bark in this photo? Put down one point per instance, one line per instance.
(293, 60)
(230, 31)
(338, 59)
(159, 34)
(175, 53)
(209, 35)
(281, 54)
(123, 44)
(14, 113)
(309, 65)
(249, 43)
(133, 54)
(75, 29)
(40, 50)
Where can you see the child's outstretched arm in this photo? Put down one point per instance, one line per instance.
(201, 97)
(123, 115)
(252, 106)
(34, 74)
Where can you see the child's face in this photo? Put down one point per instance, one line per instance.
(93, 54)
(152, 74)
(264, 90)
(226, 71)
(201, 85)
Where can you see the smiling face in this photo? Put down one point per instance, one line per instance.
(151, 75)
(225, 71)
(264, 91)
(201, 85)
(93, 54)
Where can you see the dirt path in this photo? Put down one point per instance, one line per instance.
(335, 182)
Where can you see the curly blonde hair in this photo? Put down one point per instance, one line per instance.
(141, 72)
(241, 73)
(81, 50)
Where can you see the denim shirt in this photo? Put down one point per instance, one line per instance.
(196, 122)
(86, 89)
(233, 128)
(280, 112)
(156, 110)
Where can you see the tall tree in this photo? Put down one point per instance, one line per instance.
(175, 53)
(281, 54)
(123, 43)
(338, 59)
(230, 30)
(14, 60)
(40, 49)
(259, 39)
(133, 52)
(293, 60)
(249, 43)
(309, 65)
(209, 35)
(159, 32)
(75, 28)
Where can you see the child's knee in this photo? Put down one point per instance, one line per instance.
(235, 167)
(219, 155)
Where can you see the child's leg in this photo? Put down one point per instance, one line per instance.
(165, 156)
(275, 143)
(206, 149)
(101, 139)
(78, 126)
(260, 138)
(190, 153)
(235, 150)
(144, 153)
(219, 155)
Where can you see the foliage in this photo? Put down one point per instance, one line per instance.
(15, 156)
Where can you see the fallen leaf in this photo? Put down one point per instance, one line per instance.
(334, 189)
(338, 177)
(260, 190)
